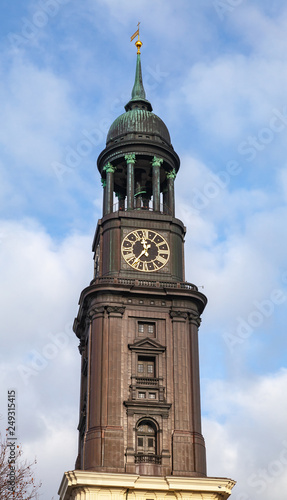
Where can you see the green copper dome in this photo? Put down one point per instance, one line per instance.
(138, 122)
(141, 122)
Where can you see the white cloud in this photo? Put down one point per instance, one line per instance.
(232, 237)
(246, 422)
(37, 113)
(41, 280)
(233, 95)
(261, 31)
(37, 273)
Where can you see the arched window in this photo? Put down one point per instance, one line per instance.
(146, 442)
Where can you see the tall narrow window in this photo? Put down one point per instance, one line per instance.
(146, 439)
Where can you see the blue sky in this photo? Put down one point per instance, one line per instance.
(216, 73)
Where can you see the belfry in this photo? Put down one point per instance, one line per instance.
(140, 418)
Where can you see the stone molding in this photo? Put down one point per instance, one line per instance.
(94, 313)
(86, 485)
(178, 315)
(117, 311)
(144, 410)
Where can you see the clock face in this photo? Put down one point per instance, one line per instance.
(145, 250)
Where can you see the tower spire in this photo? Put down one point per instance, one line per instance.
(138, 91)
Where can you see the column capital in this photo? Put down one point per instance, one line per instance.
(178, 315)
(109, 168)
(130, 158)
(95, 312)
(171, 174)
(104, 182)
(117, 311)
(194, 319)
(156, 162)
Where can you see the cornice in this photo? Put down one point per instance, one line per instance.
(208, 487)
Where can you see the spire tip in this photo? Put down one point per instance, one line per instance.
(138, 43)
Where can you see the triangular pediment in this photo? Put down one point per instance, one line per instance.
(147, 344)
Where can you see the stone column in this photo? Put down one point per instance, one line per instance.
(93, 441)
(104, 184)
(110, 170)
(156, 163)
(170, 186)
(181, 379)
(114, 433)
(182, 446)
(195, 409)
(130, 159)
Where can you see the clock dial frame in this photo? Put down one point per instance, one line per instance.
(145, 250)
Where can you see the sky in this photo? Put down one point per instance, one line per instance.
(216, 72)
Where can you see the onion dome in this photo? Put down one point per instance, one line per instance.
(138, 122)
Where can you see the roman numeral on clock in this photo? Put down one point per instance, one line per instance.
(128, 256)
(161, 259)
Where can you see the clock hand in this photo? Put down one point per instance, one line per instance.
(143, 242)
(145, 245)
(144, 252)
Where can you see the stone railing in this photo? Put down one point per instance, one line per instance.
(110, 280)
(147, 459)
(144, 206)
(151, 381)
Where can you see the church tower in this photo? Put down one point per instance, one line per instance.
(140, 419)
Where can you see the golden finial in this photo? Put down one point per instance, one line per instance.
(138, 43)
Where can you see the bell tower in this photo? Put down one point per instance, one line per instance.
(140, 419)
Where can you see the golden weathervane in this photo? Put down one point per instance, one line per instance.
(138, 43)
